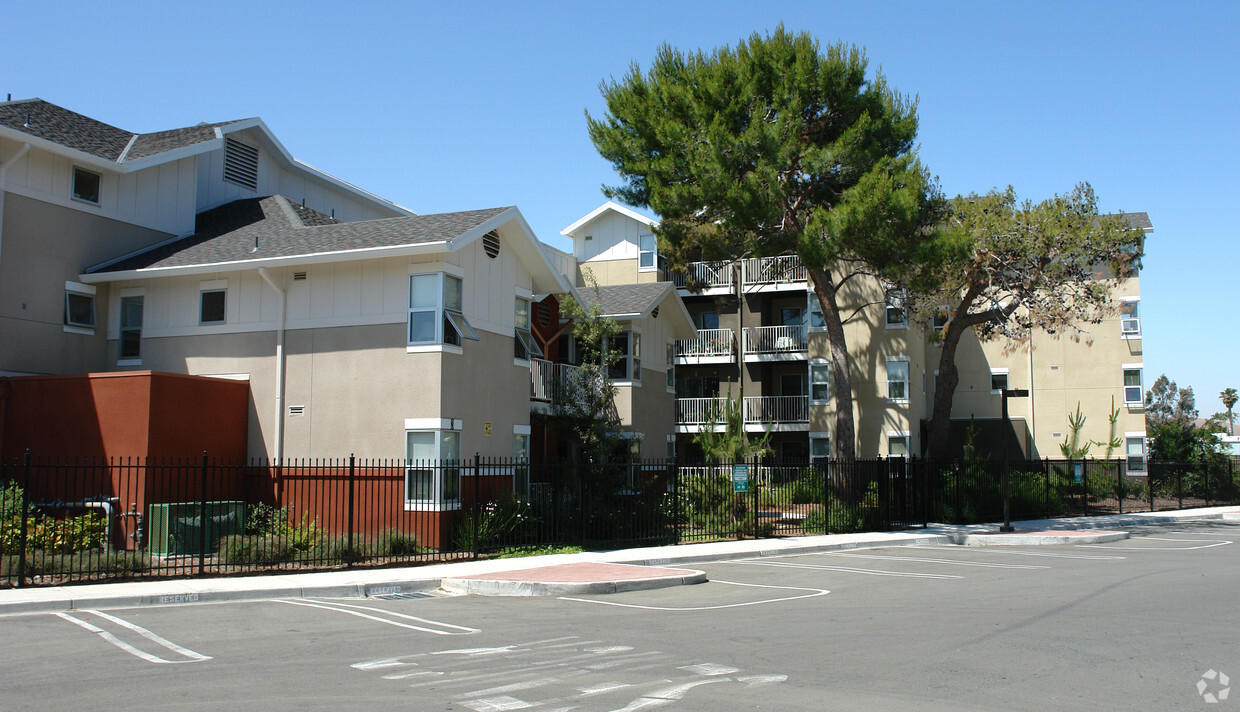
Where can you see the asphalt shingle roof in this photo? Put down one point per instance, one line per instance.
(617, 299)
(70, 129)
(272, 227)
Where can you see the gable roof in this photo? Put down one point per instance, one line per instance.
(1140, 220)
(258, 232)
(635, 301)
(609, 206)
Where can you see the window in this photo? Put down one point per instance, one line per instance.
(897, 444)
(79, 306)
(647, 253)
(1134, 393)
(131, 327)
(896, 316)
(706, 320)
(815, 313)
(940, 320)
(1130, 318)
(432, 467)
(671, 447)
(524, 345)
(998, 380)
(671, 366)
(627, 348)
(819, 448)
(86, 185)
(792, 384)
(897, 380)
(819, 382)
(211, 306)
(435, 313)
(521, 462)
(1135, 448)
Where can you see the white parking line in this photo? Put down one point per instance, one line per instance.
(345, 608)
(192, 656)
(1012, 552)
(816, 592)
(954, 562)
(1215, 542)
(846, 569)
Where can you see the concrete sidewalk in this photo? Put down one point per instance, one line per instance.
(555, 575)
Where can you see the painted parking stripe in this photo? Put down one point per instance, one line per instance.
(1216, 542)
(192, 657)
(846, 569)
(343, 608)
(815, 592)
(953, 562)
(1009, 551)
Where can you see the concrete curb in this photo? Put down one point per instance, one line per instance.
(491, 587)
(1040, 539)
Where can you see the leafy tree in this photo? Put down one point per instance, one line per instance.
(1001, 268)
(1170, 413)
(1228, 396)
(583, 406)
(771, 147)
(732, 444)
(1166, 403)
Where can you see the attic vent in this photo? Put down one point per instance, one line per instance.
(240, 164)
(490, 243)
(543, 313)
(654, 314)
(296, 410)
(299, 276)
(1055, 367)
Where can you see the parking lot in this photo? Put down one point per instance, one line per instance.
(1132, 624)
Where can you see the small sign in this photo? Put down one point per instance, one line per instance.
(740, 478)
(486, 429)
(1077, 470)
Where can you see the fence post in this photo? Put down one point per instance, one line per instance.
(476, 507)
(824, 469)
(1149, 480)
(352, 483)
(21, 561)
(1119, 484)
(674, 469)
(202, 520)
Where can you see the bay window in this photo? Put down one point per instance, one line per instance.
(432, 467)
(435, 310)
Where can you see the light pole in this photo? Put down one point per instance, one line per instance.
(1007, 465)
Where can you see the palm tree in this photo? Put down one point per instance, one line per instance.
(1228, 396)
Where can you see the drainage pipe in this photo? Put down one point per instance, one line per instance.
(279, 453)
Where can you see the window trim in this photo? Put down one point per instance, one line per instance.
(671, 366)
(999, 372)
(122, 329)
(523, 336)
(823, 364)
(908, 375)
(438, 502)
(521, 461)
(86, 291)
(819, 436)
(1139, 368)
(1124, 319)
(892, 301)
(653, 252)
(632, 375)
(443, 317)
(1145, 453)
(73, 192)
(897, 435)
(814, 309)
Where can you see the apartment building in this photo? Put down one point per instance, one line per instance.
(759, 341)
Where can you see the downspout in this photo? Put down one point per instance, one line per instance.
(4, 168)
(262, 272)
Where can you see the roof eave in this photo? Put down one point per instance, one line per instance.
(605, 207)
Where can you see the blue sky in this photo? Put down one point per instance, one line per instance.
(451, 106)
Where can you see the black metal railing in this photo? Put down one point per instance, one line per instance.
(67, 521)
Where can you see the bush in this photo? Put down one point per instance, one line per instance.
(393, 542)
(88, 562)
(255, 549)
(500, 522)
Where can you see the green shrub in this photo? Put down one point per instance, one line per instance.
(255, 549)
(393, 542)
(86, 562)
(500, 522)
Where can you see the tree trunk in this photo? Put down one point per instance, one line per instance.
(845, 435)
(944, 391)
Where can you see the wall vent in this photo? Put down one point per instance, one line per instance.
(296, 410)
(490, 243)
(299, 276)
(1054, 367)
(654, 314)
(544, 314)
(240, 164)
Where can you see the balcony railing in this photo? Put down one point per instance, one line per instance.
(699, 411)
(775, 339)
(707, 274)
(773, 270)
(776, 409)
(708, 342)
(546, 377)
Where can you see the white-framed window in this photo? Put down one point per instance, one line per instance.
(79, 307)
(819, 381)
(212, 301)
(1134, 391)
(1134, 450)
(647, 253)
(435, 310)
(671, 367)
(816, 322)
(86, 185)
(819, 448)
(895, 315)
(939, 320)
(521, 460)
(524, 345)
(627, 346)
(1130, 317)
(433, 468)
(897, 443)
(131, 327)
(998, 380)
(897, 378)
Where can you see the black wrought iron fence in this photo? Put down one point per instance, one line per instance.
(65, 521)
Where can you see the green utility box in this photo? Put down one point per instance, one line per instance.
(174, 528)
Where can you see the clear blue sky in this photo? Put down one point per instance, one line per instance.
(451, 106)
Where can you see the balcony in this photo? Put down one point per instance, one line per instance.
(776, 343)
(546, 378)
(714, 277)
(758, 274)
(709, 346)
(778, 413)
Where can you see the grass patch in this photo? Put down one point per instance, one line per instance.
(539, 550)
